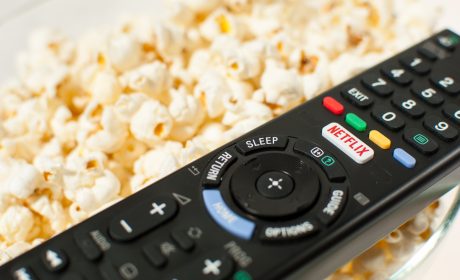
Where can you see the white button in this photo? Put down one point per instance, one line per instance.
(351, 145)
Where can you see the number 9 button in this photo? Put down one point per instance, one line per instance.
(440, 128)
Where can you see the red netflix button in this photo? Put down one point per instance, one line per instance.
(351, 145)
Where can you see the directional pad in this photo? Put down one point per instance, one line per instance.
(275, 184)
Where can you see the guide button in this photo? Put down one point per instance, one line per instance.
(334, 205)
(348, 143)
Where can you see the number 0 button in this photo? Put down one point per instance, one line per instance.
(440, 127)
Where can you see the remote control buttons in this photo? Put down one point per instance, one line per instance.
(124, 270)
(420, 141)
(441, 128)
(388, 118)
(397, 74)
(225, 217)
(24, 273)
(348, 143)
(288, 231)
(452, 111)
(333, 105)
(427, 93)
(356, 122)
(217, 166)
(332, 208)
(377, 84)
(356, 96)
(275, 185)
(212, 266)
(154, 255)
(54, 260)
(329, 164)
(88, 246)
(416, 64)
(144, 217)
(256, 144)
(404, 158)
(183, 240)
(379, 139)
(448, 41)
(446, 83)
(432, 51)
(409, 106)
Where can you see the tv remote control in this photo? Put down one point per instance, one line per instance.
(293, 199)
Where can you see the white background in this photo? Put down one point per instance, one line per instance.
(443, 263)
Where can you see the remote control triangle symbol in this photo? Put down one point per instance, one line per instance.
(183, 200)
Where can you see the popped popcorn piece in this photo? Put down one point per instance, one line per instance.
(152, 79)
(152, 123)
(212, 89)
(187, 114)
(124, 51)
(16, 223)
(105, 88)
(128, 104)
(19, 186)
(282, 87)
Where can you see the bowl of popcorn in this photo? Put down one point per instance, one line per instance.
(99, 99)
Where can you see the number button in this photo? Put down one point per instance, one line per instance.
(420, 141)
(377, 84)
(440, 127)
(452, 111)
(398, 74)
(416, 64)
(427, 93)
(408, 106)
(446, 82)
(388, 118)
(448, 41)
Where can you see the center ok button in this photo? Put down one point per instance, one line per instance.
(275, 184)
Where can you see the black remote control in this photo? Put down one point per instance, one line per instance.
(292, 199)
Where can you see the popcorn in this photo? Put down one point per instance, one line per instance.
(152, 79)
(187, 114)
(105, 88)
(212, 89)
(19, 186)
(282, 87)
(124, 52)
(16, 223)
(152, 123)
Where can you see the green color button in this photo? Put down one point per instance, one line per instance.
(242, 275)
(355, 122)
(327, 160)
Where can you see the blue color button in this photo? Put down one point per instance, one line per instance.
(225, 217)
(404, 158)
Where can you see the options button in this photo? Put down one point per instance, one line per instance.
(288, 232)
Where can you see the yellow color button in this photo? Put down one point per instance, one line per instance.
(379, 139)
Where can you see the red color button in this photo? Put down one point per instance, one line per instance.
(333, 105)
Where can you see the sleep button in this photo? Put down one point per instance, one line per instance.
(261, 143)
